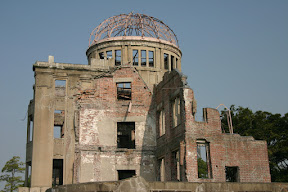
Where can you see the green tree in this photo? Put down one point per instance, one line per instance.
(202, 168)
(264, 125)
(10, 174)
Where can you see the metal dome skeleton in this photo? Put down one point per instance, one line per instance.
(133, 25)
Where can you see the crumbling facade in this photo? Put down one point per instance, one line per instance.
(130, 112)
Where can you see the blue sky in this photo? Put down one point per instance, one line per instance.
(234, 52)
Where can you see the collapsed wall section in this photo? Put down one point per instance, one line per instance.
(193, 151)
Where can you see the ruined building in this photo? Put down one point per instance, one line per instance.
(130, 112)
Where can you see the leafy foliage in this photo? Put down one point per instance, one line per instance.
(263, 125)
(9, 174)
(202, 168)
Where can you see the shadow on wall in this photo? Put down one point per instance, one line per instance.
(148, 163)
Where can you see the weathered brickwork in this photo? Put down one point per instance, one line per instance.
(230, 150)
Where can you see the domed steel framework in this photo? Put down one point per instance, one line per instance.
(133, 25)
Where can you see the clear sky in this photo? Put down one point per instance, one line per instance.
(234, 52)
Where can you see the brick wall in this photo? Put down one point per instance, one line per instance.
(249, 155)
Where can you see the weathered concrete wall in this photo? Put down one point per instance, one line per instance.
(151, 75)
(99, 158)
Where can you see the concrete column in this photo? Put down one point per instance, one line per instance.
(42, 156)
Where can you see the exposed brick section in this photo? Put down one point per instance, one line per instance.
(99, 112)
(225, 149)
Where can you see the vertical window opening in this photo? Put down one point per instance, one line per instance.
(151, 58)
(203, 159)
(109, 54)
(117, 57)
(60, 88)
(135, 57)
(57, 175)
(166, 61)
(28, 181)
(143, 58)
(101, 55)
(161, 123)
(176, 166)
(232, 174)
(124, 174)
(59, 117)
(172, 62)
(176, 112)
(124, 91)
(176, 64)
(161, 163)
(30, 131)
(126, 135)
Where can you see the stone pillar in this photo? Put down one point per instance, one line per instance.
(43, 139)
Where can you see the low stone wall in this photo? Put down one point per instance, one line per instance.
(138, 184)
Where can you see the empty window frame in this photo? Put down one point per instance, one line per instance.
(59, 118)
(30, 129)
(176, 112)
(161, 163)
(166, 61)
(126, 135)
(172, 62)
(124, 174)
(151, 58)
(124, 91)
(161, 123)
(60, 87)
(117, 57)
(28, 174)
(143, 58)
(101, 55)
(175, 169)
(203, 159)
(135, 57)
(109, 54)
(176, 64)
(57, 174)
(232, 174)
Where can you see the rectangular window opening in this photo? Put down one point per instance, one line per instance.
(57, 131)
(126, 135)
(143, 58)
(151, 58)
(135, 57)
(57, 175)
(30, 131)
(172, 62)
(124, 174)
(161, 163)
(101, 55)
(117, 57)
(59, 118)
(124, 91)
(176, 64)
(28, 181)
(166, 61)
(232, 174)
(176, 112)
(109, 54)
(161, 123)
(203, 159)
(60, 88)
(176, 166)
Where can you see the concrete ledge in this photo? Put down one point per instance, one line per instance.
(138, 184)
